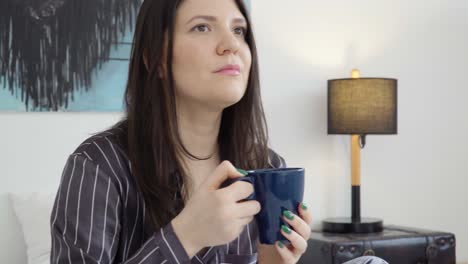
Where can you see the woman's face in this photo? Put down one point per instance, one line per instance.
(208, 36)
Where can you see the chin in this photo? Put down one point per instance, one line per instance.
(230, 96)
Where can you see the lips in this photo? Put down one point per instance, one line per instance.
(229, 68)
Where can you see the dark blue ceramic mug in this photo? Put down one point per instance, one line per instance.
(276, 190)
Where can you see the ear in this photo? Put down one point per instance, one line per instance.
(145, 59)
(161, 71)
(161, 68)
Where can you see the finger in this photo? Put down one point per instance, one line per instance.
(298, 224)
(224, 171)
(305, 213)
(247, 209)
(286, 254)
(297, 241)
(239, 190)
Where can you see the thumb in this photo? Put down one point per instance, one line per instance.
(224, 171)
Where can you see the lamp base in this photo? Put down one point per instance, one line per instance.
(347, 225)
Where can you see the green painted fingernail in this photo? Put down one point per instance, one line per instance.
(288, 214)
(280, 244)
(304, 206)
(286, 229)
(243, 172)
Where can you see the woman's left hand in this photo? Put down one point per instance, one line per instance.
(297, 235)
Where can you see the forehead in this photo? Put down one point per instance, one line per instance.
(218, 8)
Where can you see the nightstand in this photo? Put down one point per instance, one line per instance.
(395, 244)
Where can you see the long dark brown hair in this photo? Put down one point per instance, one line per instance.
(153, 141)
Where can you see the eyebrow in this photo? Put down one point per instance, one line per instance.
(213, 19)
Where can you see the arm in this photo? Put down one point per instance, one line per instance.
(85, 221)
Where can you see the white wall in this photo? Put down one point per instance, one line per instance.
(33, 151)
(416, 178)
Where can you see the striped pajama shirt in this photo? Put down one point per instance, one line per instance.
(99, 216)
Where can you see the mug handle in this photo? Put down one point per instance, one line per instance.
(247, 178)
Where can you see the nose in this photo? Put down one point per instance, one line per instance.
(228, 43)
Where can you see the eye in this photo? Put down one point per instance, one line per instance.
(240, 30)
(201, 28)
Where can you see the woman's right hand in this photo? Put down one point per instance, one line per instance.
(213, 216)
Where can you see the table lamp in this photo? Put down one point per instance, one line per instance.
(359, 107)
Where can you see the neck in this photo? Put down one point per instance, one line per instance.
(199, 129)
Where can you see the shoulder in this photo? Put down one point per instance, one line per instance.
(275, 160)
(103, 152)
(100, 154)
(103, 148)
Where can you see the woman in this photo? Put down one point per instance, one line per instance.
(147, 190)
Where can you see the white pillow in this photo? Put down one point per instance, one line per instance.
(33, 212)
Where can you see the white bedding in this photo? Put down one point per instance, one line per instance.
(27, 228)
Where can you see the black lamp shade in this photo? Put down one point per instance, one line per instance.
(362, 106)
